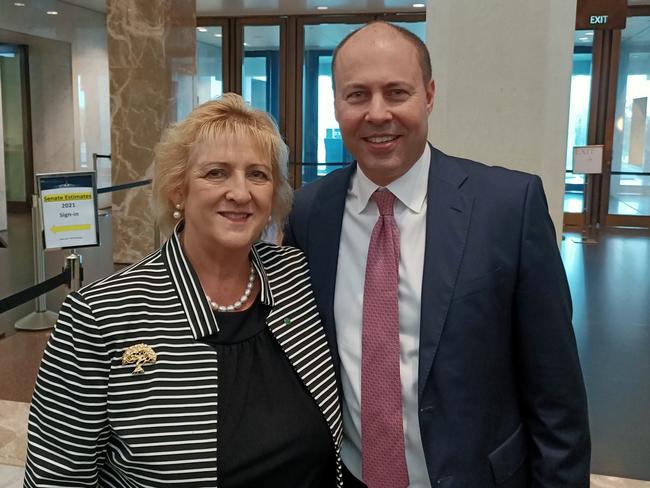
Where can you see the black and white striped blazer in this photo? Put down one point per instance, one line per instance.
(94, 423)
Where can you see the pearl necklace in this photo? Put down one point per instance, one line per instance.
(242, 299)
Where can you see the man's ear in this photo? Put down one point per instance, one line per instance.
(430, 92)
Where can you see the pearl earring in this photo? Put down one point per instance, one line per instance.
(177, 213)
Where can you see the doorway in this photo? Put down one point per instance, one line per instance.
(16, 127)
(610, 88)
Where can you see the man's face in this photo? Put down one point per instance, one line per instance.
(381, 102)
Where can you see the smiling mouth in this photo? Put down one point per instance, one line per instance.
(235, 216)
(380, 139)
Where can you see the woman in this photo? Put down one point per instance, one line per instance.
(204, 364)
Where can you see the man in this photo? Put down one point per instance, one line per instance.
(442, 293)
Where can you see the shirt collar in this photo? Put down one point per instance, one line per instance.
(195, 304)
(410, 188)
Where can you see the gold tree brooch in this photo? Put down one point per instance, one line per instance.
(139, 354)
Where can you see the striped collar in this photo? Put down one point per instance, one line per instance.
(201, 320)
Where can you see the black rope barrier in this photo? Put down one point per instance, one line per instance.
(123, 186)
(35, 291)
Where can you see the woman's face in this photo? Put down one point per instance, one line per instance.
(228, 195)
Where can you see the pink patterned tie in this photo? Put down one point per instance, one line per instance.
(382, 434)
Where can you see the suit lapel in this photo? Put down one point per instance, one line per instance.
(324, 238)
(448, 218)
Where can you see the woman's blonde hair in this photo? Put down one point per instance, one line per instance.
(227, 116)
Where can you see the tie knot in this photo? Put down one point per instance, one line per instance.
(385, 201)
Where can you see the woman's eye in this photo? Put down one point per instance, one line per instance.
(216, 173)
(259, 175)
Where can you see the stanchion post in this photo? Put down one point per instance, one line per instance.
(74, 263)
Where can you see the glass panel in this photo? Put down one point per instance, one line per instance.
(12, 122)
(578, 118)
(209, 63)
(261, 68)
(632, 195)
(630, 181)
(322, 146)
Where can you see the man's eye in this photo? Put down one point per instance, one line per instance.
(357, 95)
(398, 93)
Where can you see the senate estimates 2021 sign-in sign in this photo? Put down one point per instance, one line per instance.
(69, 209)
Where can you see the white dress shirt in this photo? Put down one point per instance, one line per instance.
(359, 218)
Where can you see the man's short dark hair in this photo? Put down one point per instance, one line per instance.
(422, 52)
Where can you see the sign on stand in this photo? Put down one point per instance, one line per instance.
(588, 159)
(68, 204)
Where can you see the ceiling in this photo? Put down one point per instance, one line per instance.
(229, 8)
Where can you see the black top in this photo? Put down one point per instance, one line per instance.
(270, 430)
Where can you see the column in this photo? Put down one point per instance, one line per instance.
(503, 72)
(151, 58)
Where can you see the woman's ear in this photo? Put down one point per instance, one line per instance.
(177, 197)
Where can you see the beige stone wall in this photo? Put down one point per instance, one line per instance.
(150, 47)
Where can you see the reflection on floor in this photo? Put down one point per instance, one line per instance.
(610, 287)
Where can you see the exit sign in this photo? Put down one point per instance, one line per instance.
(598, 19)
(601, 14)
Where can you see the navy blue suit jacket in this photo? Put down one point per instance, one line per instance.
(500, 390)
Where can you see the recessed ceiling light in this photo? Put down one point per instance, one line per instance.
(583, 39)
(245, 44)
(418, 5)
(19, 4)
(589, 33)
(322, 7)
(202, 29)
(52, 12)
(216, 35)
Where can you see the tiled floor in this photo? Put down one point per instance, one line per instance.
(611, 482)
(11, 476)
(13, 432)
(13, 442)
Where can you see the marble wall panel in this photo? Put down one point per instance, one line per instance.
(150, 46)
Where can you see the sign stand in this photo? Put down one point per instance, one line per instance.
(64, 215)
(588, 160)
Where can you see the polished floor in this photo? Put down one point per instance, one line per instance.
(610, 286)
(609, 275)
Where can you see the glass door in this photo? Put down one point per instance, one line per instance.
(261, 68)
(581, 81)
(210, 62)
(322, 147)
(629, 181)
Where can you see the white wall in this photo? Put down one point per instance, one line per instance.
(75, 120)
(502, 70)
